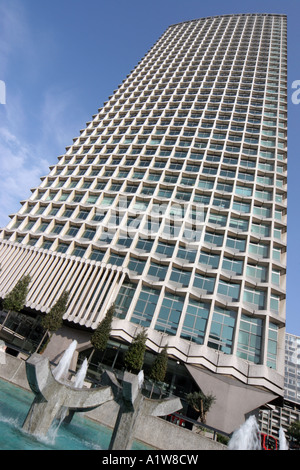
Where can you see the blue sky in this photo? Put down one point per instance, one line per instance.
(61, 60)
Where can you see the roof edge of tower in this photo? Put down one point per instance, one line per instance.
(229, 15)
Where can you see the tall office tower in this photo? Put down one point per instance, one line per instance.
(172, 204)
(292, 368)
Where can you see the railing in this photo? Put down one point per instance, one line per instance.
(182, 419)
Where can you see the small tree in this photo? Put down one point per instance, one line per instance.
(201, 403)
(134, 356)
(53, 320)
(16, 298)
(159, 367)
(293, 433)
(101, 335)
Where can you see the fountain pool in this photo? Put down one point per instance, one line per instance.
(81, 434)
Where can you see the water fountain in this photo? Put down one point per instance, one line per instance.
(81, 374)
(61, 371)
(2, 352)
(283, 445)
(246, 437)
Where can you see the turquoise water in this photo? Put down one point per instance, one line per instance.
(80, 434)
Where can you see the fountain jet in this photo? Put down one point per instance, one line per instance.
(246, 437)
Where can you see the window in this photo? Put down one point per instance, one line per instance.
(230, 290)
(180, 276)
(241, 206)
(233, 265)
(205, 184)
(202, 199)
(165, 249)
(57, 228)
(277, 254)
(204, 283)
(177, 212)
(62, 247)
(260, 249)
(133, 222)
(222, 330)
(239, 224)
(195, 321)
(167, 193)
(171, 229)
(158, 271)
(124, 298)
(221, 202)
(115, 219)
(277, 233)
(255, 297)
(188, 255)
(79, 251)
(261, 230)
(257, 272)
(224, 187)
(276, 277)
(89, 233)
(46, 244)
(124, 241)
(217, 219)
(29, 225)
(145, 306)
(262, 211)
(183, 195)
(116, 259)
(272, 345)
(246, 176)
(250, 339)
(97, 255)
(107, 201)
(144, 245)
(82, 214)
(266, 195)
(73, 230)
(243, 191)
(214, 238)
(274, 303)
(169, 314)
(210, 260)
(115, 186)
(236, 243)
(136, 265)
(68, 213)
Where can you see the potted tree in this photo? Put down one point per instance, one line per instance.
(16, 298)
(201, 403)
(101, 335)
(134, 356)
(53, 320)
(159, 368)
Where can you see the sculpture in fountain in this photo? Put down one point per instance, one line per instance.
(54, 399)
(134, 406)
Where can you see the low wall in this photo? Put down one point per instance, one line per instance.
(167, 436)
